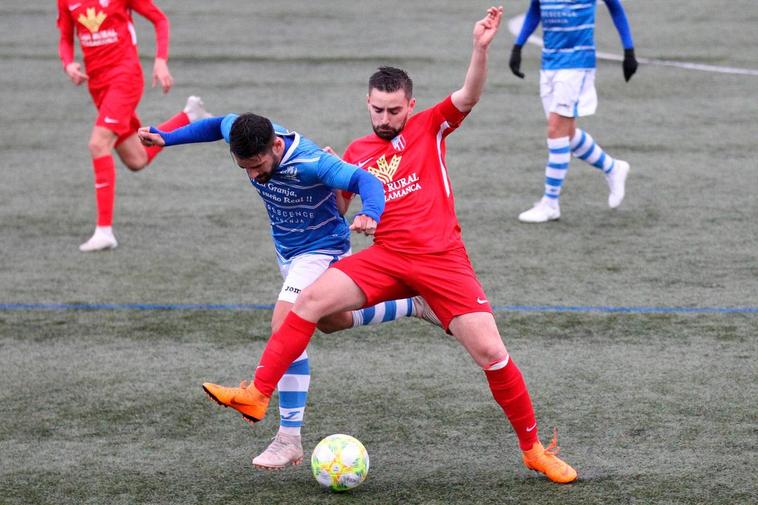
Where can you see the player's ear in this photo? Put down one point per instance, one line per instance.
(411, 104)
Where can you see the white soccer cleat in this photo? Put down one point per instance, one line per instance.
(195, 109)
(423, 311)
(543, 211)
(617, 183)
(101, 240)
(284, 450)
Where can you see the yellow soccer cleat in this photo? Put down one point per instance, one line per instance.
(246, 399)
(545, 461)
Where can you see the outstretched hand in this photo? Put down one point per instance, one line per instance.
(486, 28)
(363, 224)
(150, 139)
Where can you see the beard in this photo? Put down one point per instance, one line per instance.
(263, 178)
(386, 132)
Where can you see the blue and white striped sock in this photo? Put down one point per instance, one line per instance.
(584, 147)
(293, 394)
(384, 312)
(559, 156)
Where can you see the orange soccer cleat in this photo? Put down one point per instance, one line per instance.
(246, 399)
(545, 461)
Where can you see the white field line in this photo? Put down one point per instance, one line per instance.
(514, 26)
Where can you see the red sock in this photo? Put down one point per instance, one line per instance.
(286, 344)
(105, 188)
(172, 124)
(509, 389)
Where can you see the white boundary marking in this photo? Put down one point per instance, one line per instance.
(514, 26)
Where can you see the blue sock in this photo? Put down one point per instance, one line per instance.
(293, 394)
(558, 158)
(584, 147)
(384, 312)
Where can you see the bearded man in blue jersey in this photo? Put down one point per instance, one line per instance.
(567, 89)
(298, 182)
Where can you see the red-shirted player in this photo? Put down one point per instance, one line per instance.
(417, 251)
(114, 76)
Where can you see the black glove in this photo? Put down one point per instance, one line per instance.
(515, 61)
(630, 64)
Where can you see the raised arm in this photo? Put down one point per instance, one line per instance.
(622, 25)
(465, 98)
(151, 12)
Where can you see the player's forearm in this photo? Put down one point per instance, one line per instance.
(465, 98)
(204, 130)
(371, 191)
(531, 20)
(618, 15)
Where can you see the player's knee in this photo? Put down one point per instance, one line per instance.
(98, 148)
(310, 304)
(134, 165)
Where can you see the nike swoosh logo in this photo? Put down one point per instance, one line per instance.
(102, 185)
(361, 163)
(110, 120)
(259, 366)
(73, 7)
(532, 428)
(480, 301)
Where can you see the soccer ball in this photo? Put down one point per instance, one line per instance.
(339, 462)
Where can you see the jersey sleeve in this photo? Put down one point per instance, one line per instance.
(151, 12)
(335, 173)
(204, 130)
(66, 28)
(446, 112)
(348, 157)
(621, 22)
(531, 20)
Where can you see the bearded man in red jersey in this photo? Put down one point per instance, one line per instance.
(114, 77)
(417, 250)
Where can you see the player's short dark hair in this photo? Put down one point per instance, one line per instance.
(250, 135)
(391, 79)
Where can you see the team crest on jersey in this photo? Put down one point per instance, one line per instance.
(398, 143)
(385, 171)
(289, 173)
(92, 21)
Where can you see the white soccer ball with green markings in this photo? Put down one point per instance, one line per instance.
(339, 462)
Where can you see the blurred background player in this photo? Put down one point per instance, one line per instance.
(567, 89)
(114, 76)
(297, 182)
(417, 250)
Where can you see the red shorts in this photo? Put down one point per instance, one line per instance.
(116, 96)
(446, 280)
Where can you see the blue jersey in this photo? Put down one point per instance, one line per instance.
(300, 199)
(569, 31)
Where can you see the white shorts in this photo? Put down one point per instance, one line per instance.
(568, 93)
(301, 271)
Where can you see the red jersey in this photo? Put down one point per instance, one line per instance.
(419, 215)
(106, 33)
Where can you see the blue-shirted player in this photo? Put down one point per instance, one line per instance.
(567, 89)
(297, 181)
